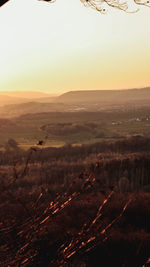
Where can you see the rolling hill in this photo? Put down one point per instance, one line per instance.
(27, 94)
(74, 101)
(24, 97)
(106, 96)
(15, 110)
(7, 100)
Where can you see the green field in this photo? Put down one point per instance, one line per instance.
(57, 129)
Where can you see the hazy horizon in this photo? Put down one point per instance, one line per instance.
(47, 93)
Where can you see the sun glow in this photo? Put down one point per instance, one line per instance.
(65, 46)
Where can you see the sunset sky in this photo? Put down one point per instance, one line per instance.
(64, 46)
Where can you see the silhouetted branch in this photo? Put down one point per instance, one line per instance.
(99, 5)
(2, 2)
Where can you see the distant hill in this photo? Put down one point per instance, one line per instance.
(24, 97)
(50, 99)
(106, 96)
(15, 110)
(76, 101)
(27, 94)
(7, 100)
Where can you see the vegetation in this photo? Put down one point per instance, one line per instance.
(76, 128)
(75, 186)
(78, 204)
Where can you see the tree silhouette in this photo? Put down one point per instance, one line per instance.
(100, 5)
(2, 2)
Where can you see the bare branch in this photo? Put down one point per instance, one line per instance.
(100, 5)
(124, 5)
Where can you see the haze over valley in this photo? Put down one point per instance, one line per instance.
(18, 103)
(75, 117)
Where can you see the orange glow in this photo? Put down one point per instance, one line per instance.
(65, 46)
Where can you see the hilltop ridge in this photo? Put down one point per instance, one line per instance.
(89, 100)
(105, 95)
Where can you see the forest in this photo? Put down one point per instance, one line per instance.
(75, 205)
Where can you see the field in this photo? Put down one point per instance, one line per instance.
(60, 128)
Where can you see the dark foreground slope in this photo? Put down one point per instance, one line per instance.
(69, 206)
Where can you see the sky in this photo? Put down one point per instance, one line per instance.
(65, 46)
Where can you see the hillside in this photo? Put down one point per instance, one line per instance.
(74, 101)
(107, 96)
(7, 100)
(75, 210)
(14, 110)
(26, 94)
